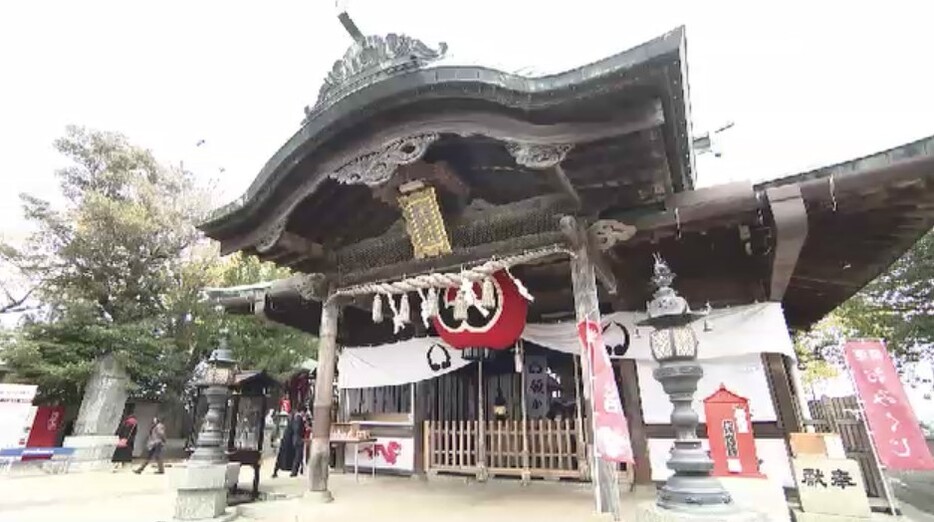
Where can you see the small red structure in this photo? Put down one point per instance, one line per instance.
(729, 432)
(45, 427)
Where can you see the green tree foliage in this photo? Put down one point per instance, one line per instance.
(120, 268)
(898, 306)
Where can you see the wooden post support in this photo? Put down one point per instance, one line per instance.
(481, 426)
(587, 308)
(324, 383)
(526, 472)
(583, 461)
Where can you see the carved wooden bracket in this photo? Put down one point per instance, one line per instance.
(536, 156)
(312, 287)
(579, 238)
(377, 167)
(606, 233)
(270, 239)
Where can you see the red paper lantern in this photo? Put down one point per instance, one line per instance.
(498, 330)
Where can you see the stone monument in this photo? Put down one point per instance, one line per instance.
(105, 395)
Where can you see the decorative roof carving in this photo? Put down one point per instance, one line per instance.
(373, 59)
(606, 233)
(376, 167)
(312, 287)
(535, 156)
(270, 239)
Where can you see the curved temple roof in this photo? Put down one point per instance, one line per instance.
(615, 136)
(390, 84)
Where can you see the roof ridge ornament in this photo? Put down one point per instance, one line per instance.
(369, 60)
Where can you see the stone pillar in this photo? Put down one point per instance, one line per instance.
(101, 408)
(324, 392)
(587, 308)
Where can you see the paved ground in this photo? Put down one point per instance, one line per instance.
(125, 497)
(916, 490)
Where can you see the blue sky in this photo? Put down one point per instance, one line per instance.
(807, 83)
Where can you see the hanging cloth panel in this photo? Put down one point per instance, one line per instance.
(756, 328)
(392, 364)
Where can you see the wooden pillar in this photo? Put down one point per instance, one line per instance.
(526, 472)
(420, 413)
(587, 308)
(632, 405)
(583, 458)
(782, 395)
(321, 425)
(481, 425)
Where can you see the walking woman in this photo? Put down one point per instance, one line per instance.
(155, 445)
(126, 437)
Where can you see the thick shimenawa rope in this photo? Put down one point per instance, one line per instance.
(450, 279)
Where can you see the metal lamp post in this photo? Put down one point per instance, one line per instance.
(674, 345)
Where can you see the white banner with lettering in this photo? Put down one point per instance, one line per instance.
(756, 328)
(729, 332)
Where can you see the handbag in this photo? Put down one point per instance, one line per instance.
(121, 443)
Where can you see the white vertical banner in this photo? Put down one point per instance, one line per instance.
(537, 401)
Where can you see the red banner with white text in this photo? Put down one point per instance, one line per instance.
(894, 426)
(611, 439)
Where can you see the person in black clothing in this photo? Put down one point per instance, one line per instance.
(126, 437)
(286, 453)
(297, 425)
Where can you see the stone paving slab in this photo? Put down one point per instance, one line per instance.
(124, 497)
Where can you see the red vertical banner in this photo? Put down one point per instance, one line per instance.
(611, 431)
(895, 429)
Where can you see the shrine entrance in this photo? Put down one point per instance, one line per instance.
(524, 421)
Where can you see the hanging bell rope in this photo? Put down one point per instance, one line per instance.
(454, 279)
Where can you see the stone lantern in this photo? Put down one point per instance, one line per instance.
(691, 492)
(201, 486)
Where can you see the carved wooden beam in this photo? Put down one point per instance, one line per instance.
(299, 245)
(548, 158)
(577, 236)
(563, 184)
(439, 175)
(791, 229)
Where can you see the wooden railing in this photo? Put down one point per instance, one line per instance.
(542, 448)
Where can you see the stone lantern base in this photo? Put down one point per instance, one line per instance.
(651, 512)
(202, 493)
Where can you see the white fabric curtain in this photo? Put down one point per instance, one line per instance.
(756, 328)
(750, 329)
(392, 364)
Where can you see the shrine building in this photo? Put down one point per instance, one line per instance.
(450, 226)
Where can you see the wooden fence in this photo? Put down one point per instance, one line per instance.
(553, 449)
(840, 415)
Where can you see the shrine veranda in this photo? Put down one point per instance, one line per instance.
(414, 181)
